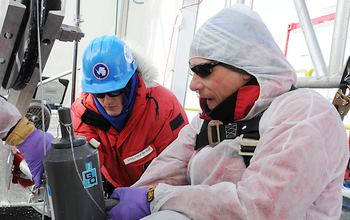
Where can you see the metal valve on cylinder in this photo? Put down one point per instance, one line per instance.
(73, 175)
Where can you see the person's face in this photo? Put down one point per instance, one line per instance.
(112, 105)
(217, 86)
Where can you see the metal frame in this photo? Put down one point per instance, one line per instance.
(324, 79)
(12, 19)
(53, 30)
(14, 15)
(22, 99)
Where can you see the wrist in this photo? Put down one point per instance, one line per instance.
(150, 194)
(19, 132)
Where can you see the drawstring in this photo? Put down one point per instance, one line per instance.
(157, 107)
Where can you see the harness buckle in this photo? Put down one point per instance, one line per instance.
(342, 102)
(246, 146)
(231, 130)
(215, 124)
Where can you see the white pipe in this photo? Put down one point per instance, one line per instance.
(57, 76)
(310, 38)
(313, 82)
(340, 33)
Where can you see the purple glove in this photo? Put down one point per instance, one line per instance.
(32, 150)
(132, 205)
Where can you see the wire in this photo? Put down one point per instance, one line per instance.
(40, 74)
(172, 36)
(42, 93)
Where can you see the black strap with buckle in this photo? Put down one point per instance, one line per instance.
(213, 132)
(220, 131)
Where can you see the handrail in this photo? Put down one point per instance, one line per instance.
(302, 71)
(57, 76)
(192, 109)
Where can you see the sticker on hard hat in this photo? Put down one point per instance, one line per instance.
(127, 54)
(101, 71)
(89, 176)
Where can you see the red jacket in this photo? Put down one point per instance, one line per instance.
(124, 156)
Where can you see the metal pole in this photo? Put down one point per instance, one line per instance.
(313, 82)
(57, 76)
(311, 40)
(75, 55)
(340, 33)
(121, 18)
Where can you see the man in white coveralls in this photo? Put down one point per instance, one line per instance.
(298, 165)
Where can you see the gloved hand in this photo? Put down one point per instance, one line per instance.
(133, 204)
(29, 141)
(33, 151)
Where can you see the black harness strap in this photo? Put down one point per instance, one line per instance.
(250, 129)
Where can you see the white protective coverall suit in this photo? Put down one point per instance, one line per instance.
(9, 116)
(298, 166)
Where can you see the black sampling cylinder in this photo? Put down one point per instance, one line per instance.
(73, 175)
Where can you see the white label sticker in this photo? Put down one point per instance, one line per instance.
(138, 156)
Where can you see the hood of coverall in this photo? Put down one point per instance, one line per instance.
(238, 36)
(9, 117)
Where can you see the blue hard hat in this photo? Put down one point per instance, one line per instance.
(107, 65)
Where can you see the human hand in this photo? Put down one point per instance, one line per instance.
(32, 149)
(133, 204)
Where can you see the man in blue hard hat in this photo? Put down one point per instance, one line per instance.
(121, 106)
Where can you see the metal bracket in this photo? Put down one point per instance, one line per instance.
(69, 33)
(342, 102)
(231, 130)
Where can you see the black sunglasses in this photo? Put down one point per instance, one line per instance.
(204, 69)
(110, 94)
